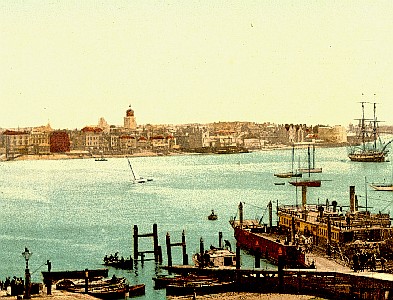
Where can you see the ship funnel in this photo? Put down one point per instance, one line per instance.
(352, 198)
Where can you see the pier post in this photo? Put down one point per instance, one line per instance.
(329, 236)
(135, 242)
(184, 248)
(155, 242)
(352, 198)
(270, 206)
(220, 240)
(202, 252)
(168, 249)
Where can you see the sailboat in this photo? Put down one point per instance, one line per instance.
(307, 182)
(311, 169)
(291, 173)
(135, 177)
(369, 150)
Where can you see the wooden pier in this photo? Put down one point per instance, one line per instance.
(156, 247)
(331, 285)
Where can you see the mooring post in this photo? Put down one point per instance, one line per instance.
(48, 282)
(184, 248)
(136, 242)
(155, 242)
(168, 249)
(220, 240)
(86, 281)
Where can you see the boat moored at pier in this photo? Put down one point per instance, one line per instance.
(300, 229)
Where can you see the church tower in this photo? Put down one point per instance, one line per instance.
(129, 120)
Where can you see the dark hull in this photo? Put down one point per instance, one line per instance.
(368, 157)
(310, 183)
(269, 248)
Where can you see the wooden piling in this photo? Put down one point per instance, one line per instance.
(220, 240)
(184, 248)
(155, 242)
(168, 249)
(156, 250)
(135, 242)
(202, 251)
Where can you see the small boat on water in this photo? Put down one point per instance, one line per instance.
(382, 186)
(292, 173)
(135, 177)
(101, 159)
(136, 290)
(102, 288)
(119, 262)
(212, 216)
(306, 182)
(215, 258)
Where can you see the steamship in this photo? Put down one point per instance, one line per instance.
(302, 229)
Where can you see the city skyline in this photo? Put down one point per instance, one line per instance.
(71, 63)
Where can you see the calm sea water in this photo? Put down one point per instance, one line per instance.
(73, 212)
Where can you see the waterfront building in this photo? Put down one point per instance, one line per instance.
(129, 120)
(16, 142)
(335, 134)
(92, 138)
(59, 142)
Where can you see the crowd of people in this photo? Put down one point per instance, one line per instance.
(14, 285)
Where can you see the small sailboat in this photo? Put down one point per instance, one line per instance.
(312, 168)
(135, 177)
(307, 182)
(291, 173)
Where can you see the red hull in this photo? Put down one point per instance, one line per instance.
(311, 183)
(269, 248)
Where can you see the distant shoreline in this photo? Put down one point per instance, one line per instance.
(81, 155)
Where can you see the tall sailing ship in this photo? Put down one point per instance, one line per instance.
(371, 148)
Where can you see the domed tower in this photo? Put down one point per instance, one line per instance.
(129, 119)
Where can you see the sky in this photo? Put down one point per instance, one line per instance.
(303, 62)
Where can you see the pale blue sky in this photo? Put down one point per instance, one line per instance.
(73, 62)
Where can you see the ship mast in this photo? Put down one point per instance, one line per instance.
(375, 128)
(363, 127)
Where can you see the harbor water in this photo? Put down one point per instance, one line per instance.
(74, 212)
